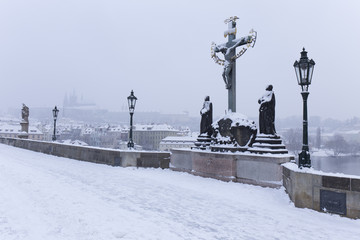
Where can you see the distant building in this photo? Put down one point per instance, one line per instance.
(171, 142)
(112, 137)
(12, 131)
(66, 132)
(115, 132)
(103, 136)
(150, 136)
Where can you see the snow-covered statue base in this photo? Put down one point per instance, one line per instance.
(233, 132)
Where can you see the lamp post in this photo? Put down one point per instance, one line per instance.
(55, 114)
(304, 70)
(131, 101)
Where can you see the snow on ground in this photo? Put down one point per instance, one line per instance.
(43, 197)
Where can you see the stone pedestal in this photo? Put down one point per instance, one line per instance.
(228, 148)
(256, 169)
(24, 130)
(214, 165)
(203, 141)
(23, 135)
(265, 143)
(233, 132)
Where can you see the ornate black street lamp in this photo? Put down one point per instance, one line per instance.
(55, 114)
(304, 70)
(131, 101)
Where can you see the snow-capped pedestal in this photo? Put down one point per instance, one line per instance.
(24, 129)
(23, 135)
(227, 154)
(203, 141)
(268, 143)
(233, 132)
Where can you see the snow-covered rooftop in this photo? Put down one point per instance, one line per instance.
(10, 128)
(154, 127)
(115, 129)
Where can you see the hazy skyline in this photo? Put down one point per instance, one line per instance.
(161, 49)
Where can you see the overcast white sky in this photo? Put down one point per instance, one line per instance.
(161, 49)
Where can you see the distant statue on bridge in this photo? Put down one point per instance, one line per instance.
(24, 123)
(206, 117)
(25, 113)
(267, 112)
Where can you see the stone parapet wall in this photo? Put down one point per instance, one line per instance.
(319, 191)
(257, 169)
(261, 169)
(111, 157)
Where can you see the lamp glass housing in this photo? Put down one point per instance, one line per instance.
(304, 69)
(131, 102)
(55, 112)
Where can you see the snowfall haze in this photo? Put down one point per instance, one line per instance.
(161, 49)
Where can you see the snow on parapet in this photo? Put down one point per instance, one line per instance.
(294, 167)
(179, 139)
(74, 142)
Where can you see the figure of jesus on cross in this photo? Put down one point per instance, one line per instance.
(230, 56)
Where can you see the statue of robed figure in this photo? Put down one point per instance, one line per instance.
(24, 123)
(206, 117)
(267, 112)
(25, 113)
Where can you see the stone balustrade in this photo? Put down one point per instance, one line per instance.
(326, 192)
(113, 157)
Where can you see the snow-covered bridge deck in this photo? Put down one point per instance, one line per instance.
(47, 197)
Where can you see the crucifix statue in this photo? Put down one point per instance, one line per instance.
(230, 56)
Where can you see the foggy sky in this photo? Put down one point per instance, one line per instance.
(161, 49)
